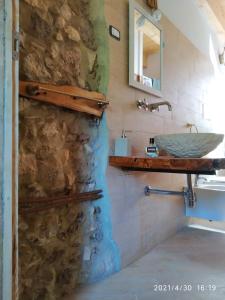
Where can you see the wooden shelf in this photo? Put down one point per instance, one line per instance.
(65, 96)
(165, 164)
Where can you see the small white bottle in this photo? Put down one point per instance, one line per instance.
(152, 150)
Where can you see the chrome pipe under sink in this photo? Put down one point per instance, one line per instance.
(187, 193)
(149, 190)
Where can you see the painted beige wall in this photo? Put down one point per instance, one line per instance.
(139, 222)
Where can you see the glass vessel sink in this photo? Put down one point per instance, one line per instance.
(193, 145)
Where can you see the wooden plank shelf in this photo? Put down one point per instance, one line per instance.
(207, 166)
(70, 97)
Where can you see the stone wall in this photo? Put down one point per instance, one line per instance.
(62, 151)
(57, 42)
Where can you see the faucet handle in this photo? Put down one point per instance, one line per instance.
(190, 126)
(142, 104)
(139, 104)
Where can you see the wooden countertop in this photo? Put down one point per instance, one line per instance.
(165, 164)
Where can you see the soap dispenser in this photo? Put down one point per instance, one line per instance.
(122, 146)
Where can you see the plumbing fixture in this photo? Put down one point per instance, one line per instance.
(143, 104)
(149, 190)
(187, 193)
(155, 106)
(189, 196)
(190, 126)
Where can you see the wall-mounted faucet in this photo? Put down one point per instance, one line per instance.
(143, 104)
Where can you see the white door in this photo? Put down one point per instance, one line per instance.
(8, 148)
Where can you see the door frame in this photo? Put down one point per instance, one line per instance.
(8, 151)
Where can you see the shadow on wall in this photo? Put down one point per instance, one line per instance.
(64, 42)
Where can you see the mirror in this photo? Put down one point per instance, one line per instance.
(145, 61)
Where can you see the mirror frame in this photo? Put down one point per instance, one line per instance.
(145, 11)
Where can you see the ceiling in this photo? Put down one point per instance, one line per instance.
(215, 13)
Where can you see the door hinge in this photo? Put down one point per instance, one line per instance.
(16, 41)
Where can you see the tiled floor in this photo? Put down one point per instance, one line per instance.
(193, 259)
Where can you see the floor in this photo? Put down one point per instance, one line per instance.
(191, 265)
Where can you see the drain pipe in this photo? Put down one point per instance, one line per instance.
(189, 196)
(188, 193)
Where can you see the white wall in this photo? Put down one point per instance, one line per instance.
(186, 15)
(139, 222)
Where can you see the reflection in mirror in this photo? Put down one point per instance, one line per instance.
(146, 52)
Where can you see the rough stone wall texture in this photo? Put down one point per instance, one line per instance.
(62, 151)
(54, 152)
(58, 42)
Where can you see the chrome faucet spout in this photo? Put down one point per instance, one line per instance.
(155, 106)
(143, 104)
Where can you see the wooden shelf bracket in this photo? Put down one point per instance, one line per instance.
(70, 97)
